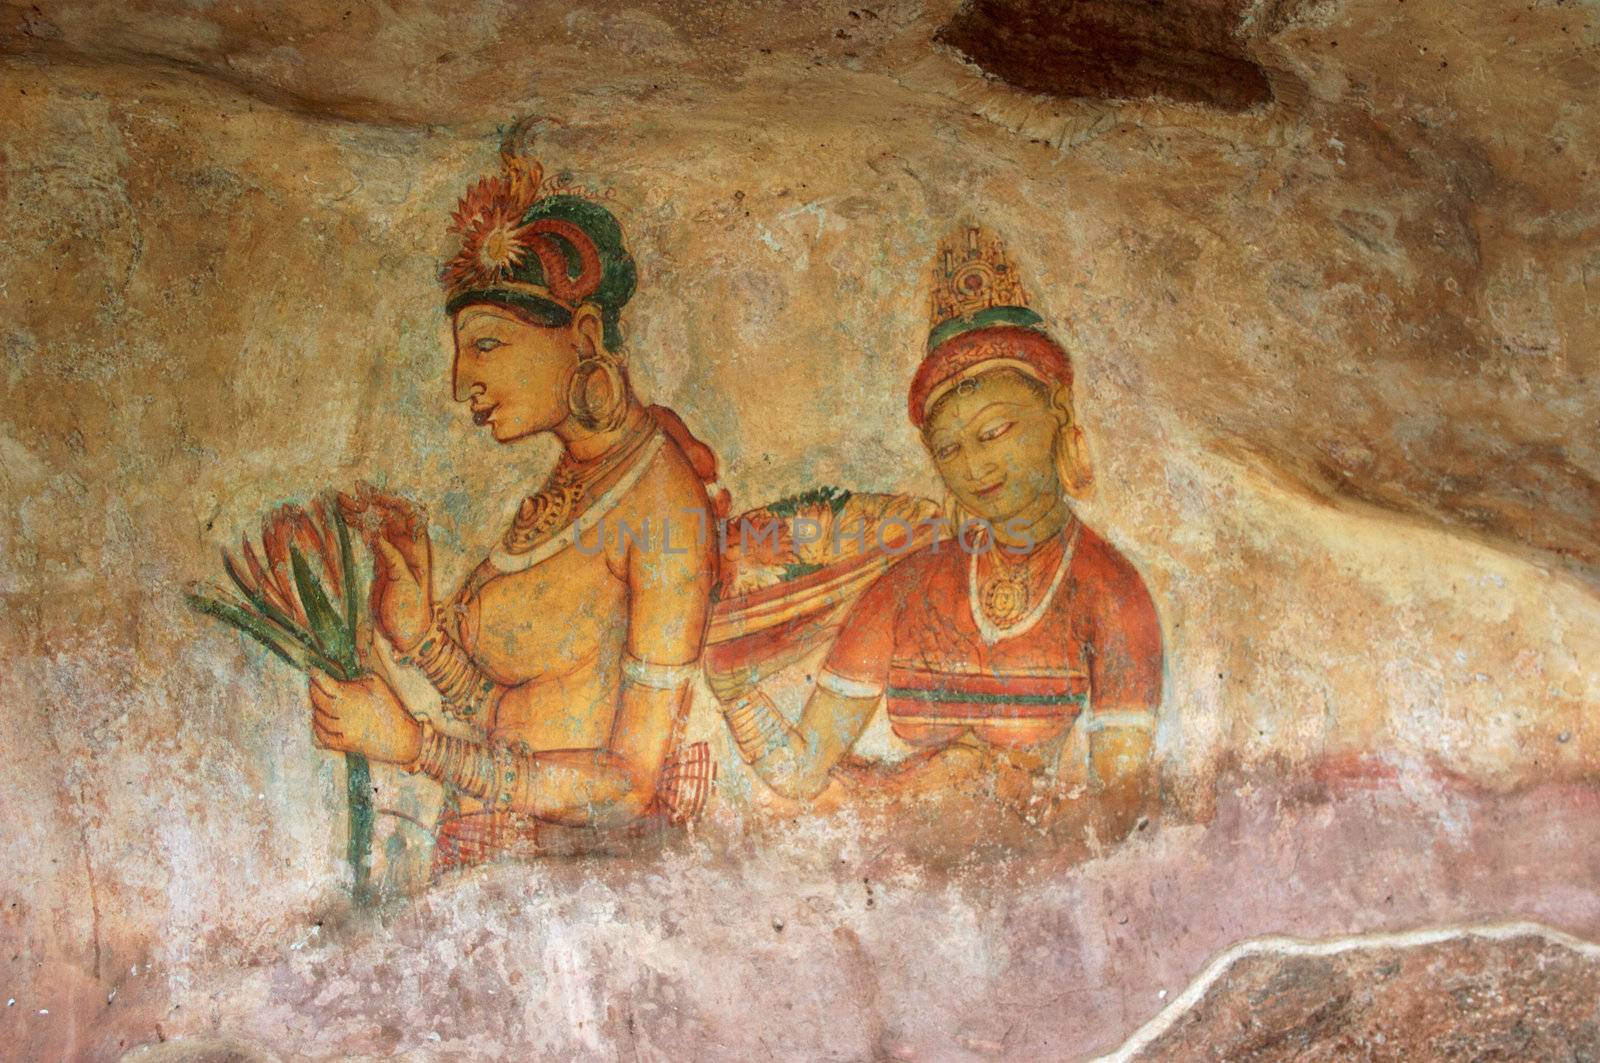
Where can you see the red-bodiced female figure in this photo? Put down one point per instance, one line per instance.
(1019, 654)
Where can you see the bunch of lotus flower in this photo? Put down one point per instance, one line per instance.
(299, 598)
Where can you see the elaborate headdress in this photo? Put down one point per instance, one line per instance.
(980, 315)
(538, 246)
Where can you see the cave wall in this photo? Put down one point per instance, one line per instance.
(1335, 362)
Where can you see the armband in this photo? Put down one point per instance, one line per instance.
(1143, 720)
(657, 676)
(846, 687)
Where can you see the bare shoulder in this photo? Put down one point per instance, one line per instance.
(668, 488)
(667, 520)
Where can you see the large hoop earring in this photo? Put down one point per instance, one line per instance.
(1074, 467)
(591, 417)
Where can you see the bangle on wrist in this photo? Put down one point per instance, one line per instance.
(460, 682)
(497, 775)
(427, 751)
(757, 727)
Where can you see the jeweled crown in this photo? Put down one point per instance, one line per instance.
(972, 275)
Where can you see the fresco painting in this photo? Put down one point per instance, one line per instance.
(966, 530)
(1016, 653)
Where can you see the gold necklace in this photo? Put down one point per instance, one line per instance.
(1007, 591)
(543, 514)
(1021, 620)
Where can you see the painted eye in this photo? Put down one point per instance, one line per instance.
(486, 344)
(993, 432)
(946, 452)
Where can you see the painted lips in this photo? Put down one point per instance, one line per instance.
(481, 417)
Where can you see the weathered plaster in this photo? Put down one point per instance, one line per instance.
(1335, 361)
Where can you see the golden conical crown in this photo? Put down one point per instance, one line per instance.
(972, 274)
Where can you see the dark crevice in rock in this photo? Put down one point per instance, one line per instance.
(1184, 50)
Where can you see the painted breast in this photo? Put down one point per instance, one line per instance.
(933, 706)
(947, 681)
(546, 621)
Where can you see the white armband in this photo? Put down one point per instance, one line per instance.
(1140, 719)
(846, 687)
(657, 676)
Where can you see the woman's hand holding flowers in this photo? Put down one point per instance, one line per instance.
(363, 716)
(396, 531)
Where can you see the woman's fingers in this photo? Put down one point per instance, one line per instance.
(406, 527)
(321, 697)
(393, 503)
(413, 543)
(367, 507)
(325, 738)
(379, 517)
(350, 505)
(364, 644)
(326, 727)
(398, 514)
(393, 561)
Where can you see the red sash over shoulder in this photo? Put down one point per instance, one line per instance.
(792, 569)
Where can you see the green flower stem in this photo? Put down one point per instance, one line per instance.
(358, 849)
(330, 645)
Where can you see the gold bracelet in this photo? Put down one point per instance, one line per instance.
(429, 754)
(757, 727)
(461, 684)
(497, 775)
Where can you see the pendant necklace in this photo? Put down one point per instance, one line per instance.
(543, 514)
(1000, 606)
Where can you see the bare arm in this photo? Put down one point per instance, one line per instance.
(1119, 776)
(796, 760)
(609, 786)
(1114, 748)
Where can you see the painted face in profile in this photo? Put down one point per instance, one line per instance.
(512, 372)
(992, 439)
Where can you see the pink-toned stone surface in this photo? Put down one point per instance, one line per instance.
(858, 955)
(1336, 361)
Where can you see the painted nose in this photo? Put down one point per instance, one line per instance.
(979, 468)
(461, 385)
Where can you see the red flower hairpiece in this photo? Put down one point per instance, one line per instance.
(494, 242)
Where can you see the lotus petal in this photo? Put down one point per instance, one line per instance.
(276, 536)
(311, 545)
(264, 583)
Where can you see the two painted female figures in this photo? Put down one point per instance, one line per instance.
(1017, 655)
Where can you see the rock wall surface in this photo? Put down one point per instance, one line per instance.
(1336, 361)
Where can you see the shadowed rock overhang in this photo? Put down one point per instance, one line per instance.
(1184, 50)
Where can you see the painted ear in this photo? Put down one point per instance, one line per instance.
(1061, 405)
(589, 330)
(1073, 463)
